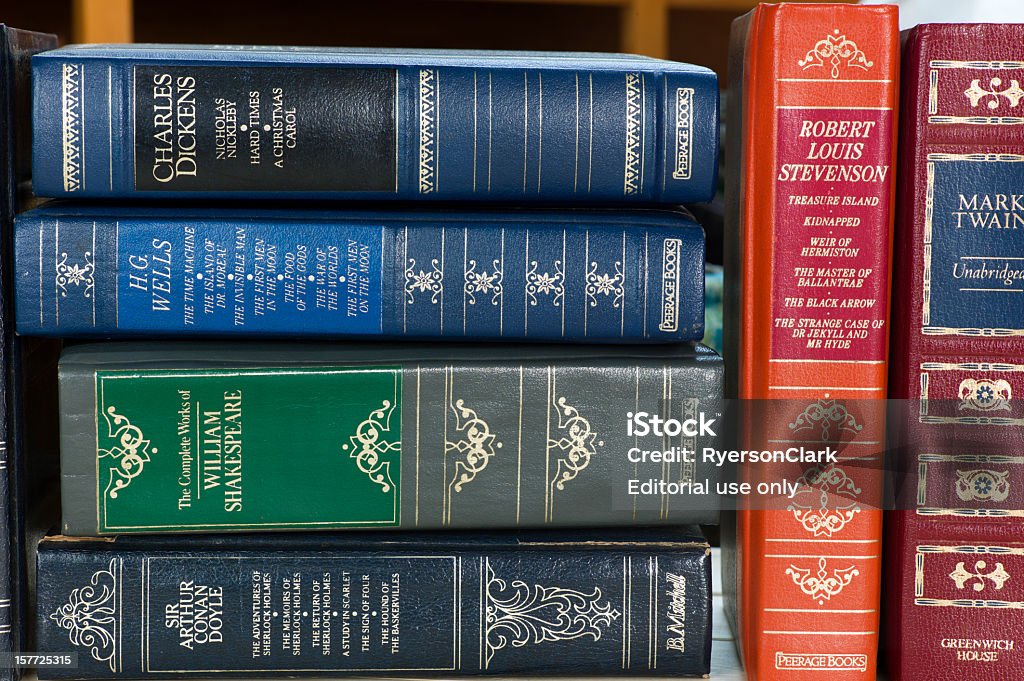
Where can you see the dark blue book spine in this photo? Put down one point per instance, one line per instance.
(205, 123)
(460, 610)
(609, 276)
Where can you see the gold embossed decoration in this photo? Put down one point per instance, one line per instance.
(373, 439)
(472, 449)
(571, 443)
(835, 50)
(577, 443)
(828, 419)
(427, 161)
(992, 96)
(978, 579)
(824, 500)
(90, 616)
(75, 274)
(483, 282)
(545, 283)
(130, 453)
(983, 394)
(518, 614)
(72, 125)
(605, 284)
(633, 173)
(983, 485)
(823, 584)
(424, 281)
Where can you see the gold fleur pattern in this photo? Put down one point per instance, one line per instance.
(90, 616)
(977, 578)
(519, 614)
(606, 284)
(373, 440)
(824, 583)
(992, 96)
(835, 51)
(429, 281)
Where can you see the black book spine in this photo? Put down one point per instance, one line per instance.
(16, 48)
(467, 608)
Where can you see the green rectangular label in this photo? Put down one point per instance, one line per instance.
(248, 448)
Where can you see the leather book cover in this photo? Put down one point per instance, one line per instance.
(181, 437)
(16, 49)
(423, 606)
(573, 275)
(807, 272)
(956, 546)
(167, 121)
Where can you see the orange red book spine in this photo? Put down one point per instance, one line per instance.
(807, 276)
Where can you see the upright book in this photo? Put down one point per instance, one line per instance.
(955, 545)
(810, 182)
(189, 438)
(464, 605)
(16, 49)
(585, 275)
(278, 122)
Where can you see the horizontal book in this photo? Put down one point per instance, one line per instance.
(288, 122)
(448, 606)
(608, 275)
(181, 437)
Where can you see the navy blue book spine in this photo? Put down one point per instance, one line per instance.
(462, 609)
(598, 276)
(169, 122)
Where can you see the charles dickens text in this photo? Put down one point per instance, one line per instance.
(174, 127)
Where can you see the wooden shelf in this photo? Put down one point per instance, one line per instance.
(695, 31)
(102, 21)
(644, 25)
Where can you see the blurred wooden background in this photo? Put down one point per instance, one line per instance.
(694, 31)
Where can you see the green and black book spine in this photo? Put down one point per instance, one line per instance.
(224, 438)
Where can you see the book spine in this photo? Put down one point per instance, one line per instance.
(16, 50)
(483, 279)
(429, 445)
(960, 161)
(131, 128)
(819, 162)
(955, 539)
(9, 544)
(960, 357)
(464, 612)
(733, 557)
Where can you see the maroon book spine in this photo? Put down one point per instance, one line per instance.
(955, 549)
